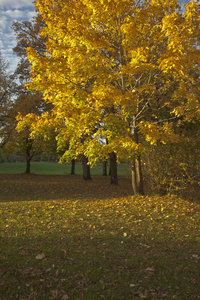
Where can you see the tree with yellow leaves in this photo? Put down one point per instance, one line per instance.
(116, 70)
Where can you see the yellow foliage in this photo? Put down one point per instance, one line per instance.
(154, 133)
(108, 64)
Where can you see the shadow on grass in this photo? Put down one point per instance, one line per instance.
(23, 187)
(71, 265)
(91, 240)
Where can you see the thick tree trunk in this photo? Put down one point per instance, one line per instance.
(137, 178)
(113, 168)
(73, 167)
(86, 168)
(104, 168)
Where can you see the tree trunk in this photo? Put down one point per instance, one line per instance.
(29, 155)
(73, 167)
(28, 161)
(136, 168)
(137, 178)
(113, 168)
(104, 168)
(86, 168)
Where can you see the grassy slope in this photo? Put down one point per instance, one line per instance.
(63, 238)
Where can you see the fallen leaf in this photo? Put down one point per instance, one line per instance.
(196, 257)
(40, 256)
(48, 270)
(65, 297)
(143, 296)
(149, 270)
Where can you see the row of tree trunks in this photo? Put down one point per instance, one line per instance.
(113, 168)
(137, 180)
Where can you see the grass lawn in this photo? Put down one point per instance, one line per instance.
(47, 168)
(65, 238)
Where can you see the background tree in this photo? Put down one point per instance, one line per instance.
(27, 34)
(5, 102)
(22, 143)
(119, 71)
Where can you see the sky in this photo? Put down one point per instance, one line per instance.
(10, 11)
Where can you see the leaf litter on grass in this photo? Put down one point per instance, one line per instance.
(109, 248)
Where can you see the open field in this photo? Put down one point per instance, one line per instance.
(65, 238)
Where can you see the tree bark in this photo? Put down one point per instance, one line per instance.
(86, 168)
(28, 161)
(73, 167)
(136, 168)
(104, 168)
(113, 168)
(137, 178)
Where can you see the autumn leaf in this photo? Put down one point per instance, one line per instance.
(40, 256)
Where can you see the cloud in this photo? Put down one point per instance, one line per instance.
(16, 13)
(3, 22)
(12, 4)
(13, 15)
(12, 11)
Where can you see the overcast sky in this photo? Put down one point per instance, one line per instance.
(10, 11)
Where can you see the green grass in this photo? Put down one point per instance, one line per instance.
(47, 168)
(89, 240)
